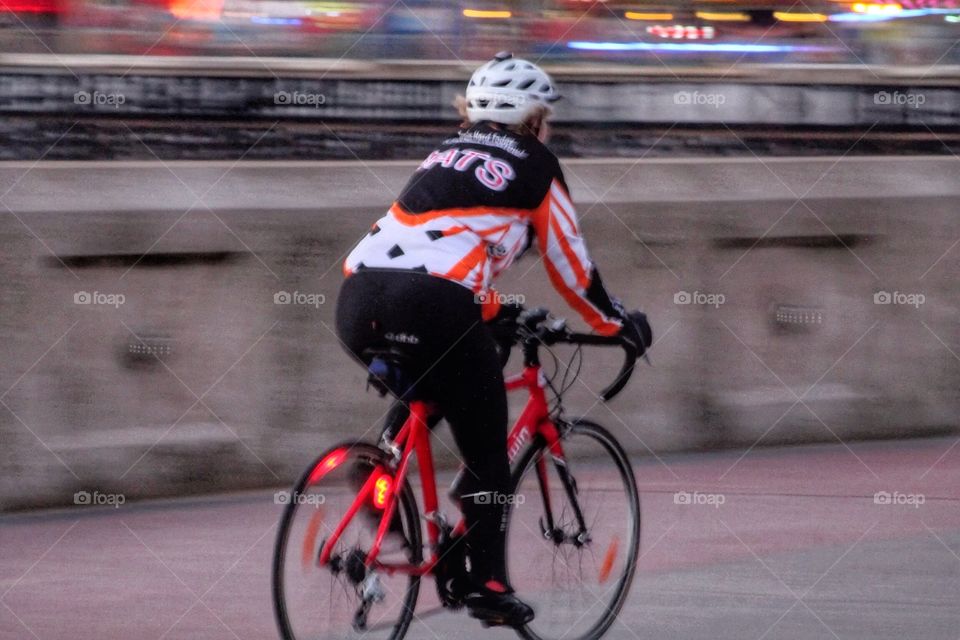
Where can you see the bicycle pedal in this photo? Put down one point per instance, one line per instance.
(486, 623)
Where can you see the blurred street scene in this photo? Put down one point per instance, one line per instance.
(774, 183)
(684, 33)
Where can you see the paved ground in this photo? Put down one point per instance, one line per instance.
(799, 548)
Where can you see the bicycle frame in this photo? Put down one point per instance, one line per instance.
(414, 439)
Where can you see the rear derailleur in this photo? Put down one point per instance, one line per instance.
(365, 581)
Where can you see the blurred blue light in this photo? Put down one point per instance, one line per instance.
(880, 17)
(719, 47)
(266, 20)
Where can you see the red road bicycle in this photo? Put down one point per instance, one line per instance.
(349, 554)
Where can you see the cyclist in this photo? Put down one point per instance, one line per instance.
(419, 282)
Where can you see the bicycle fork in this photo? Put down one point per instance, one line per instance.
(548, 528)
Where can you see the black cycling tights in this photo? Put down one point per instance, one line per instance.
(437, 325)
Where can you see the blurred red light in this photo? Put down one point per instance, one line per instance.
(381, 490)
(329, 463)
(29, 6)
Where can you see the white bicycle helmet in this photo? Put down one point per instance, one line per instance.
(507, 90)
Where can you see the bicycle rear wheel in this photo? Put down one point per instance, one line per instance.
(316, 602)
(576, 578)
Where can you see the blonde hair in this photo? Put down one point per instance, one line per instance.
(531, 126)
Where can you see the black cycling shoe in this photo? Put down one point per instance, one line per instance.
(497, 608)
(453, 581)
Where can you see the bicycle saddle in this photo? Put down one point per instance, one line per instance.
(387, 372)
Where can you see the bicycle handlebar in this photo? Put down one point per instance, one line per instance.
(629, 360)
(531, 324)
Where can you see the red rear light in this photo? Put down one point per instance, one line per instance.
(29, 6)
(333, 460)
(381, 490)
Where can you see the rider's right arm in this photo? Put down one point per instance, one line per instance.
(568, 264)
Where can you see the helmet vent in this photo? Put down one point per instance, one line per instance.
(502, 83)
(526, 85)
(510, 67)
(545, 88)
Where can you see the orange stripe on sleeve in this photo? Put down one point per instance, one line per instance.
(568, 216)
(460, 270)
(591, 315)
(543, 224)
(583, 280)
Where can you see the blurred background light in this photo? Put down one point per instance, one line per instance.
(730, 47)
(654, 17)
(787, 16)
(563, 31)
(873, 8)
(723, 16)
(486, 13)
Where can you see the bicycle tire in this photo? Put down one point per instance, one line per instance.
(410, 514)
(584, 427)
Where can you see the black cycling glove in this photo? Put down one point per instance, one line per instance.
(636, 328)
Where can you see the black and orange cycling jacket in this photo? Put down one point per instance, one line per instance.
(468, 212)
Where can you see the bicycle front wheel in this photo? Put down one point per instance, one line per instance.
(574, 534)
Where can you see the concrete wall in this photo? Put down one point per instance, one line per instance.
(781, 100)
(246, 391)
